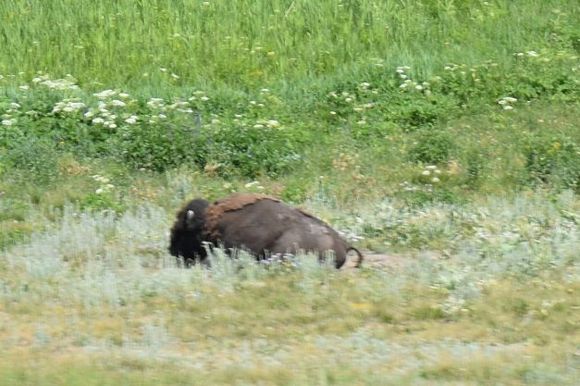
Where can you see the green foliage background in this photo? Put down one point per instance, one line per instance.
(442, 133)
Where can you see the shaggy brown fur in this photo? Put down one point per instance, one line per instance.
(234, 202)
(257, 223)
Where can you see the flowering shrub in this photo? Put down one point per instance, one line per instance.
(254, 133)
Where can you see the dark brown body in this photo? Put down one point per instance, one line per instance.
(259, 224)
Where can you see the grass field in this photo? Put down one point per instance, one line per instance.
(442, 135)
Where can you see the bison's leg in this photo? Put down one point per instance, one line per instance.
(339, 257)
(294, 241)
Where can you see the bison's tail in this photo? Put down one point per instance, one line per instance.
(360, 256)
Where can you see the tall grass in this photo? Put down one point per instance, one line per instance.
(115, 308)
(246, 43)
(444, 131)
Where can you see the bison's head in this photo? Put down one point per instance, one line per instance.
(187, 232)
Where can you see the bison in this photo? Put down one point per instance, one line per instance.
(259, 224)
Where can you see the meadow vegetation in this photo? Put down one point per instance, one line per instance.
(442, 133)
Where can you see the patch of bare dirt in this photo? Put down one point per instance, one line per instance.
(383, 260)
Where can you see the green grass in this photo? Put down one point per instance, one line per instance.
(445, 133)
(96, 298)
(247, 44)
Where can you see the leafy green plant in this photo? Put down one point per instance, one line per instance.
(252, 150)
(36, 157)
(433, 147)
(157, 146)
(415, 113)
(554, 160)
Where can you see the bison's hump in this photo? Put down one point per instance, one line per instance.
(234, 202)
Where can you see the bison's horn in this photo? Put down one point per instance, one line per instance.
(189, 215)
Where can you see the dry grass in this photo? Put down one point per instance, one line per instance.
(96, 299)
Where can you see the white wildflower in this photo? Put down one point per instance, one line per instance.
(131, 120)
(426, 173)
(8, 122)
(98, 121)
(507, 107)
(532, 54)
(105, 94)
(68, 106)
(204, 98)
(155, 103)
(57, 84)
(272, 123)
(14, 105)
(435, 179)
(430, 167)
(77, 105)
(118, 103)
(123, 95)
(24, 87)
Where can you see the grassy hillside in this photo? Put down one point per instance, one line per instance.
(246, 44)
(444, 134)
